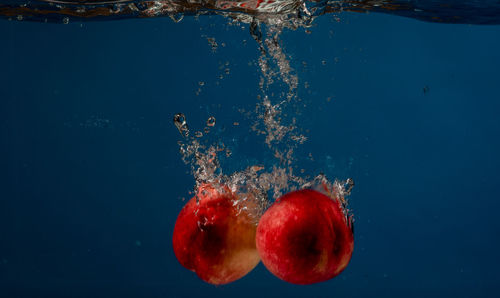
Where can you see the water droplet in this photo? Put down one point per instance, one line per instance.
(198, 134)
(181, 124)
(211, 121)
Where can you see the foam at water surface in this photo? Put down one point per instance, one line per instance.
(295, 12)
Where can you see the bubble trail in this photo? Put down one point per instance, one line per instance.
(274, 118)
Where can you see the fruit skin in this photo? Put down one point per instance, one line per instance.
(304, 238)
(212, 239)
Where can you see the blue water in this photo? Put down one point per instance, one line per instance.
(91, 180)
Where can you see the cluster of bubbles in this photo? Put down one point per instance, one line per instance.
(257, 186)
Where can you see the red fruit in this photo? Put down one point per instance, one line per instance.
(305, 238)
(213, 239)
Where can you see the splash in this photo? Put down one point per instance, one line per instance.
(257, 185)
(293, 12)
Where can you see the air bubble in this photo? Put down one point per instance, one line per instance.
(348, 185)
(181, 124)
(211, 121)
(212, 43)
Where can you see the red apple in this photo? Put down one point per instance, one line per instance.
(214, 239)
(305, 238)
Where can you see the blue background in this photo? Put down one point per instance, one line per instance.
(91, 180)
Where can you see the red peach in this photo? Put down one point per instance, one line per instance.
(213, 239)
(305, 238)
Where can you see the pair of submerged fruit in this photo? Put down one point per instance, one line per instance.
(303, 238)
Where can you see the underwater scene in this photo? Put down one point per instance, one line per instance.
(249, 148)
